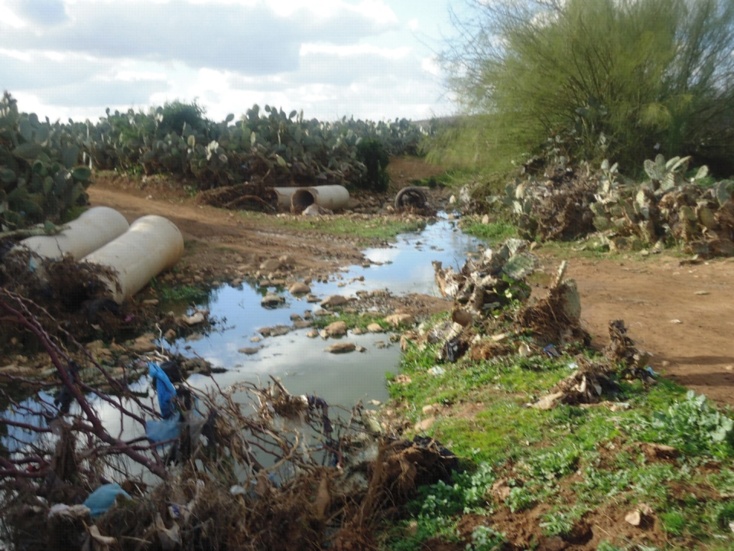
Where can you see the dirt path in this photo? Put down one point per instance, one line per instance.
(683, 315)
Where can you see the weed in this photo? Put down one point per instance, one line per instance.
(673, 522)
(561, 522)
(493, 232)
(185, 294)
(692, 425)
(520, 498)
(486, 538)
(725, 515)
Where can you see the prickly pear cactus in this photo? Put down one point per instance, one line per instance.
(40, 176)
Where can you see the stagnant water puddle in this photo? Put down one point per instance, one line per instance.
(301, 363)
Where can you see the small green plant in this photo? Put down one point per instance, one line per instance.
(725, 515)
(520, 498)
(181, 293)
(673, 522)
(561, 522)
(694, 426)
(485, 538)
(492, 232)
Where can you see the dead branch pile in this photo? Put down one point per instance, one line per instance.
(490, 320)
(250, 467)
(669, 209)
(247, 196)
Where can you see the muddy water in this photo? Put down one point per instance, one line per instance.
(301, 363)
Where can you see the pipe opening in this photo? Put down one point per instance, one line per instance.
(302, 199)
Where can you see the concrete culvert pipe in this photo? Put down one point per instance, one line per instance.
(411, 197)
(94, 228)
(151, 245)
(333, 197)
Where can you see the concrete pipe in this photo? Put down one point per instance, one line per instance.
(333, 197)
(151, 245)
(94, 228)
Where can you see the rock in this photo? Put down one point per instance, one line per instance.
(144, 344)
(194, 319)
(312, 334)
(402, 379)
(424, 425)
(400, 319)
(336, 329)
(302, 324)
(375, 328)
(638, 516)
(312, 298)
(271, 265)
(548, 402)
(381, 345)
(430, 409)
(275, 331)
(524, 350)
(634, 518)
(341, 348)
(299, 288)
(271, 300)
(249, 351)
(333, 301)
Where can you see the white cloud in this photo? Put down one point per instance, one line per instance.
(330, 58)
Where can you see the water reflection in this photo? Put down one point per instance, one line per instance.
(302, 364)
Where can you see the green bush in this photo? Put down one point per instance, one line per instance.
(40, 178)
(373, 155)
(594, 79)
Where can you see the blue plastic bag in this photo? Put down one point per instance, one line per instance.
(163, 429)
(165, 389)
(101, 499)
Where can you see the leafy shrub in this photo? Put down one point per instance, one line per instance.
(373, 155)
(40, 178)
(597, 78)
(693, 426)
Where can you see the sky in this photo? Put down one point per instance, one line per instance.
(367, 59)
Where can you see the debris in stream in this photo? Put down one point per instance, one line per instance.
(256, 467)
(495, 316)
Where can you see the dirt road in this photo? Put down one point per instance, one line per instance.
(682, 314)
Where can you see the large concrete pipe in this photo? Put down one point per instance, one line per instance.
(94, 228)
(151, 245)
(333, 197)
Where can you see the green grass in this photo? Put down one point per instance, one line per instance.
(493, 232)
(573, 461)
(181, 294)
(365, 230)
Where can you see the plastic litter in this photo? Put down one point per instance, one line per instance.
(104, 497)
(164, 388)
(651, 371)
(551, 351)
(162, 430)
(437, 370)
